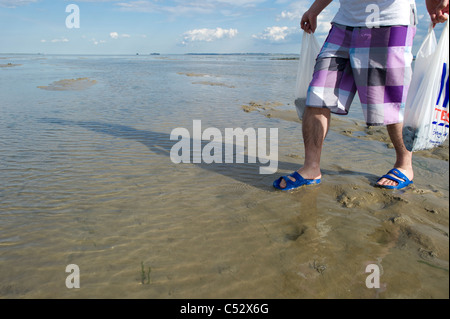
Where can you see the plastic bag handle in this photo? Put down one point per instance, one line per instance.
(431, 27)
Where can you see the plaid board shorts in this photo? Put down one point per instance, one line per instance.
(375, 62)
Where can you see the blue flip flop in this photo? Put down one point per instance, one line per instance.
(299, 181)
(402, 180)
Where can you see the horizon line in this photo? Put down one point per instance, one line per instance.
(148, 54)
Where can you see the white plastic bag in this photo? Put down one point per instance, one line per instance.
(308, 55)
(426, 123)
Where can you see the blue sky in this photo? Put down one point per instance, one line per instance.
(174, 26)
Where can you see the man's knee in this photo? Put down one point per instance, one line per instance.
(317, 111)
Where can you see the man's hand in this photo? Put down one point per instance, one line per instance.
(309, 19)
(309, 22)
(437, 10)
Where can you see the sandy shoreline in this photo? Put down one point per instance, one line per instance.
(412, 224)
(78, 84)
(9, 65)
(92, 183)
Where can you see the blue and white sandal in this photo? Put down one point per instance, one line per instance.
(399, 178)
(299, 182)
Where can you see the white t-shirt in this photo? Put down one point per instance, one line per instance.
(373, 13)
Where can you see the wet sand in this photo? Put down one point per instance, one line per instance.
(233, 235)
(406, 232)
(69, 85)
(95, 186)
(214, 84)
(192, 74)
(9, 65)
(208, 83)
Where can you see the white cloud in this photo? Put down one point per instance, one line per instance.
(237, 3)
(178, 9)
(297, 9)
(15, 3)
(97, 42)
(276, 34)
(208, 35)
(289, 15)
(184, 8)
(58, 40)
(115, 35)
(294, 11)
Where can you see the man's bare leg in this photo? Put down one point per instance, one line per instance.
(316, 123)
(404, 157)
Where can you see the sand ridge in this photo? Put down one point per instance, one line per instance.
(78, 84)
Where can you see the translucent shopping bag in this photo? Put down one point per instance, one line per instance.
(426, 122)
(308, 55)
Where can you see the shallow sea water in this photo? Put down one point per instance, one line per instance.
(86, 179)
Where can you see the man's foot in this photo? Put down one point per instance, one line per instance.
(397, 178)
(306, 174)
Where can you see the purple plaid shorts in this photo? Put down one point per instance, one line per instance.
(375, 62)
